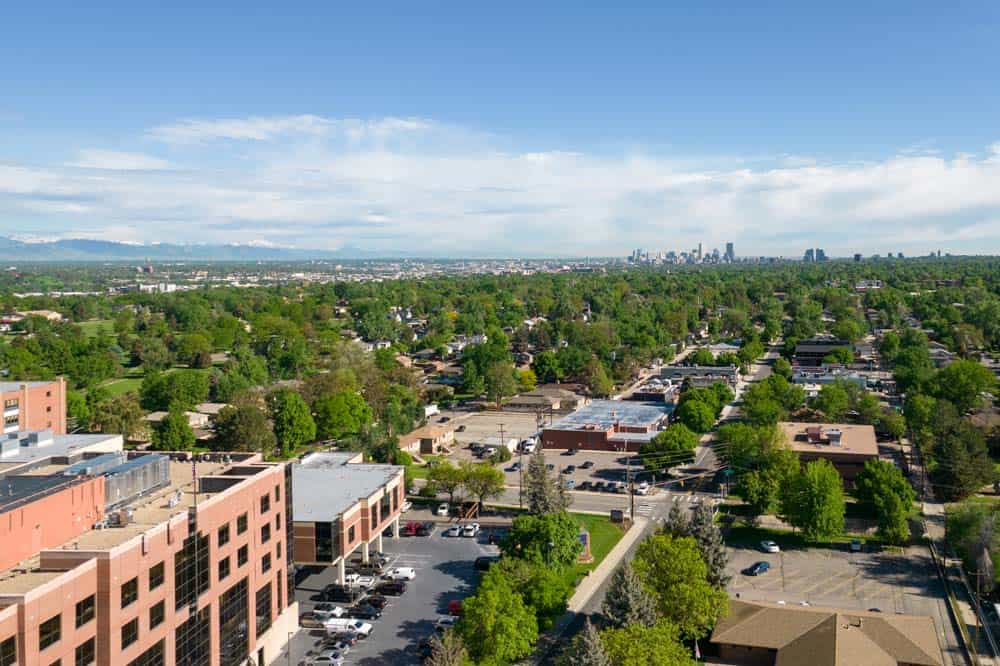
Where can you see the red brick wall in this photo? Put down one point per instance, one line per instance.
(41, 407)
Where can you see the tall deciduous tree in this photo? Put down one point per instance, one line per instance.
(293, 424)
(551, 539)
(447, 650)
(244, 428)
(814, 501)
(120, 414)
(627, 600)
(496, 625)
(482, 480)
(637, 645)
(446, 478)
(174, 432)
(340, 414)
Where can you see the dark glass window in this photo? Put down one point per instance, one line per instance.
(86, 653)
(49, 632)
(324, 542)
(350, 534)
(8, 652)
(265, 563)
(374, 510)
(192, 640)
(277, 551)
(277, 493)
(151, 657)
(85, 611)
(241, 523)
(265, 503)
(157, 614)
(277, 522)
(234, 612)
(156, 576)
(191, 574)
(263, 609)
(223, 535)
(265, 533)
(130, 633)
(241, 556)
(130, 592)
(223, 568)
(384, 506)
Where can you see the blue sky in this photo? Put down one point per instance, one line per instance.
(513, 128)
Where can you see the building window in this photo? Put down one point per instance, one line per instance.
(350, 534)
(234, 636)
(130, 592)
(8, 652)
(191, 574)
(223, 568)
(223, 535)
(265, 503)
(11, 403)
(277, 551)
(151, 657)
(263, 609)
(157, 614)
(277, 492)
(277, 521)
(241, 523)
(385, 506)
(49, 408)
(265, 533)
(156, 576)
(374, 511)
(130, 633)
(324, 542)
(241, 556)
(265, 563)
(11, 420)
(49, 632)
(85, 653)
(85, 611)
(192, 639)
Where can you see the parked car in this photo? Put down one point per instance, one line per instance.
(426, 529)
(327, 658)
(460, 428)
(442, 509)
(621, 488)
(484, 562)
(363, 611)
(410, 529)
(359, 581)
(855, 546)
(642, 488)
(455, 607)
(470, 530)
(599, 486)
(310, 621)
(569, 469)
(373, 568)
(391, 588)
(341, 624)
(453, 531)
(326, 609)
(550, 467)
(406, 506)
(757, 568)
(769, 547)
(516, 467)
(348, 638)
(569, 452)
(569, 484)
(401, 573)
(376, 600)
(587, 465)
(341, 593)
(444, 419)
(444, 623)
(585, 485)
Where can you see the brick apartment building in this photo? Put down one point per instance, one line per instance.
(34, 406)
(342, 505)
(140, 559)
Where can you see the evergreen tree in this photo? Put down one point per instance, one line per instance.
(587, 649)
(706, 532)
(627, 601)
(544, 493)
(677, 522)
(447, 650)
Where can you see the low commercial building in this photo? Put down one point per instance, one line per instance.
(847, 446)
(812, 352)
(761, 634)
(145, 559)
(608, 425)
(341, 505)
(701, 374)
(427, 439)
(828, 375)
(546, 399)
(34, 406)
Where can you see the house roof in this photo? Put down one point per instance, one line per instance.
(830, 637)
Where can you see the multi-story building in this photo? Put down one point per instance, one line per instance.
(138, 559)
(608, 425)
(342, 505)
(34, 406)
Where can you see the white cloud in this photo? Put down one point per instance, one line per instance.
(119, 161)
(419, 186)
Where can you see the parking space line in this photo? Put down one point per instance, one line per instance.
(823, 581)
(829, 592)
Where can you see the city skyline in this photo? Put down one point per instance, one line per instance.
(368, 134)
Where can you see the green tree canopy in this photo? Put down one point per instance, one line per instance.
(293, 424)
(813, 501)
(173, 433)
(341, 414)
(638, 645)
(496, 625)
(244, 428)
(551, 539)
(482, 480)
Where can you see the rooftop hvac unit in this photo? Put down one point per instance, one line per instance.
(834, 436)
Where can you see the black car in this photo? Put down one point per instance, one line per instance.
(587, 465)
(584, 485)
(363, 611)
(391, 588)
(550, 467)
(426, 529)
(599, 486)
(569, 469)
(460, 428)
(376, 600)
(569, 452)
(341, 593)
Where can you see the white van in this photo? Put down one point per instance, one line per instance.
(335, 625)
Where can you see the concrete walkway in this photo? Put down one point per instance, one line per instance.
(589, 585)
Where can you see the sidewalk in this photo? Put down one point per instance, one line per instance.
(589, 585)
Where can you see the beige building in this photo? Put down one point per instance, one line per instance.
(847, 446)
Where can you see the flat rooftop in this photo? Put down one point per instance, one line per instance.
(604, 414)
(16, 386)
(854, 439)
(27, 448)
(325, 485)
(16, 490)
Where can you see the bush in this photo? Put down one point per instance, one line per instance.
(501, 455)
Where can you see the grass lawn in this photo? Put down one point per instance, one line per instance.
(604, 534)
(751, 536)
(91, 329)
(127, 385)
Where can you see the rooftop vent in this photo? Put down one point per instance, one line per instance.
(834, 435)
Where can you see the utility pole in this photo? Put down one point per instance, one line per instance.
(631, 486)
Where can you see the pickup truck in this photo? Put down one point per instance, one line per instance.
(338, 624)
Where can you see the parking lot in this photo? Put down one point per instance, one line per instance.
(607, 466)
(444, 572)
(482, 425)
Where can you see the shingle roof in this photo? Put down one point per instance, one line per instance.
(830, 637)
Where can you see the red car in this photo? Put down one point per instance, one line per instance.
(410, 529)
(455, 607)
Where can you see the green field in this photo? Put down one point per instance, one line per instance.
(603, 536)
(93, 328)
(127, 385)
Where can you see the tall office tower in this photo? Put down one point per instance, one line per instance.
(810, 255)
(700, 251)
(820, 254)
(730, 253)
(857, 257)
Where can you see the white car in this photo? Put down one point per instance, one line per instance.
(407, 505)
(452, 531)
(769, 547)
(442, 509)
(642, 488)
(401, 573)
(327, 658)
(359, 580)
(470, 530)
(326, 611)
(338, 624)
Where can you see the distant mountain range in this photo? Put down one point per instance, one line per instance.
(83, 249)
